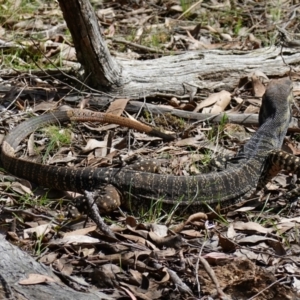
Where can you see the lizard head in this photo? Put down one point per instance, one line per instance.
(277, 101)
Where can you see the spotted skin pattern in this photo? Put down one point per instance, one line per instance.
(258, 161)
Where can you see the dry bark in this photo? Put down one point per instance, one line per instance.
(16, 266)
(209, 69)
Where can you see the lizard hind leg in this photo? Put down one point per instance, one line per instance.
(107, 198)
(280, 160)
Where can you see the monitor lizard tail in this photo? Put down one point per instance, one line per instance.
(260, 160)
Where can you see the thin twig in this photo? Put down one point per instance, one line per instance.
(9, 106)
(6, 209)
(189, 9)
(95, 215)
(253, 297)
(197, 269)
(212, 275)
(175, 279)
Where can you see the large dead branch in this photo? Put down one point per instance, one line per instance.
(208, 69)
(16, 266)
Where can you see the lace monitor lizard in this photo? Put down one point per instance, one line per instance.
(259, 161)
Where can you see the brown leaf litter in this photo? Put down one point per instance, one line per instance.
(250, 253)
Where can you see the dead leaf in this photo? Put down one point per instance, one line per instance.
(251, 109)
(145, 137)
(192, 141)
(253, 239)
(86, 252)
(246, 253)
(63, 266)
(117, 107)
(226, 244)
(138, 34)
(93, 144)
(67, 52)
(165, 278)
(36, 279)
(296, 284)
(29, 24)
(131, 221)
(277, 247)
(217, 258)
(45, 106)
(213, 98)
(75, 240)
(61, 159)
(287, 220)
(134, 238)
(194, 217)
(251, 226)
(245, 208)
(160, 230)
(231, 233)
(222, 103)
(20, 188)
(104, 14)
(257, 87)
(226, 37)
(284, 227)
(260, 75)
(49, 258)
(82, 231)
(39, 231)
(188, 233)
(31, 146)
(176, 8)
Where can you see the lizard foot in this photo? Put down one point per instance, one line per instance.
(107, 199)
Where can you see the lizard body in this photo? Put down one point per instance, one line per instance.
(226, 187)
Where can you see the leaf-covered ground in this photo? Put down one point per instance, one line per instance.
(251, 252)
